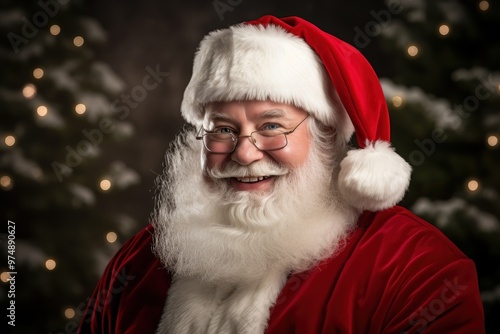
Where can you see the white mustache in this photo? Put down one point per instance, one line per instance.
(233, 169)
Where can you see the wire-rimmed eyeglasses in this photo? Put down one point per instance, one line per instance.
(264, 140)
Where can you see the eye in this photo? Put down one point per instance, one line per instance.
(223, 130)
(271, 126)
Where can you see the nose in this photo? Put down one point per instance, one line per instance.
(246, 152)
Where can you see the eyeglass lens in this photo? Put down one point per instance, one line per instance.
(263, 140)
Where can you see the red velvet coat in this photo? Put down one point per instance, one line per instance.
(397, 274)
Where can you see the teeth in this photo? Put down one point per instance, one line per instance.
(251, 179)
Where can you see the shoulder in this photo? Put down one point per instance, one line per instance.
(136, 249)
(397, 242)
(133, 275)
(136, 259)
(399, 229)
(423, 274)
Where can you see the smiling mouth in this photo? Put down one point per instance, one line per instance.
(252, 179)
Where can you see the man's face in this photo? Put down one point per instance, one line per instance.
(241, 119)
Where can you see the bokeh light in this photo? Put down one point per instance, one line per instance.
(29, 91)
(10, 140)
(105, 184)
(473, 185)
(412, 50)
(6, 182)
(78, 41)
(80, 108)
(492, 141)
(484, 5)
(397, 101)
(4, 277)
(111, 237)
(50, 264)
(38, 73)
(55, 29)
(444, 29)
(69, 313)
(42, 111)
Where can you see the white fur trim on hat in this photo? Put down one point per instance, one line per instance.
(247, 62)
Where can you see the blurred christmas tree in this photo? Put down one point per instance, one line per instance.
(445, 107)
(56, 115)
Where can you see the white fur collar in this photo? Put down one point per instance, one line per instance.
(194, 306)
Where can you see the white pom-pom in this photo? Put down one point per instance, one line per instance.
(374, 178)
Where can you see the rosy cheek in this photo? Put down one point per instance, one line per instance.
(210, 160)
(294, 154)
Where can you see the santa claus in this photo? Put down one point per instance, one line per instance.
(268, 221)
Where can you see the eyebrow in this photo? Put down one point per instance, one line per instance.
(272, 113)
(218, 116)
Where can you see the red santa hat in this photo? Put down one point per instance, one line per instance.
(292, 61)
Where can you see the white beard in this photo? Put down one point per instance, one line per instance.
(207, 232)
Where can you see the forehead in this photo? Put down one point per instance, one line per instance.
(251, 110)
